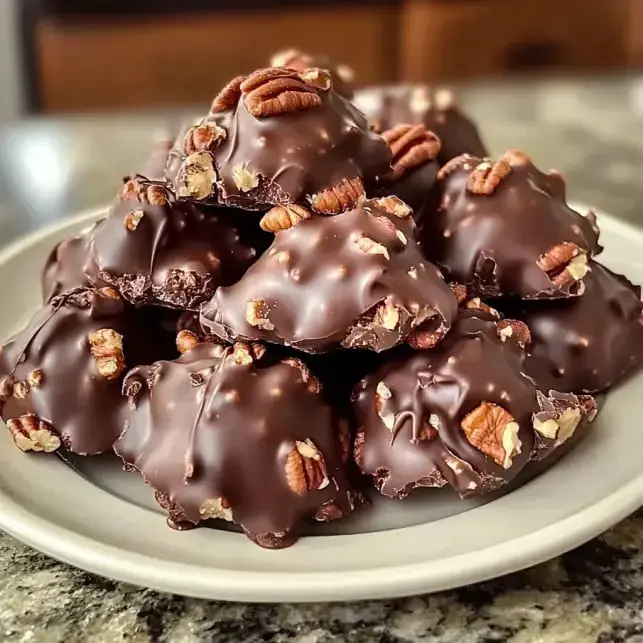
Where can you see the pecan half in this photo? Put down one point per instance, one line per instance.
(494, 431)
(257, 314)
(275, 91)
(338, 198)
(196, 177)
(411, 147)
(394, 205)
(514, 329)
(30, 433)
(203, 138)
(464, 161)
(487, 176)
(282, 217)
(21, 390)
(564, 264)
(228, 97)
(216, 508)
(107, 348)
(305, 468)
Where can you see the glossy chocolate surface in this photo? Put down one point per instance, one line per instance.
(291, 157)
(81, 406)
(356, 280)
(214, 434)
(66, 265)
(589, 343)
(392, 105)
(493, 242)
(410, 413)
(175, 254)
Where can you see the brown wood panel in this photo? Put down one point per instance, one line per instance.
(465, 38)
(185, 59)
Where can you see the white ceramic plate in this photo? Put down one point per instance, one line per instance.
(104, 520)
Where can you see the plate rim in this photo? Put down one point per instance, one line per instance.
(260, 586)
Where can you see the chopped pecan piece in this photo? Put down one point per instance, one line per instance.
(305, 468)
(494, 431)
(107, 348)
(30, 433)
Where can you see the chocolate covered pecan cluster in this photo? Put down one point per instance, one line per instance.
(295, 300)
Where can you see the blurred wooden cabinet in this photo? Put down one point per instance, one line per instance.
(465, 38)
(185, 59)
(97, 62)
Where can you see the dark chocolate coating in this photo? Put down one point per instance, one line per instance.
(177, 256)
(320, 283)
(295, 155)
(409, 413)
(492, 243)
(589, 343)
(207, 427)
(417, 189)
(82, 407)
(393, 105)
(66, 264)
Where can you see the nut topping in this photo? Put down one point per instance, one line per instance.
(512, 328)
(305, 468)
(318, 78)
(387, 315)
(133, 219)
(411, 147)
(245, 179)
(394, 205)
(282, 217)
(185, 341)
(275, 91)
(197, 177)
(339, 198)
(560, 428)
(487, 176)
(134, 190)
(30, 433)
(246, 353)
(203, 138)
(371, 247)
(494, 431)
(107, 348)
(20, 390)
(565, 263)
(216, 508)
(257, 314)
(228, 97)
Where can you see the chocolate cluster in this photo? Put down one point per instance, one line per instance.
(244, 441)
(61, 377)
(504, 228)
(356, 280)
(294, 300)
(464, 413)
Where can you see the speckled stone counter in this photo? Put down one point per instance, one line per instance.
(593, 132)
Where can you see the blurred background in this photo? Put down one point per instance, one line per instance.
(96, 55)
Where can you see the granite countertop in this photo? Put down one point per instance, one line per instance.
(592, 132)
